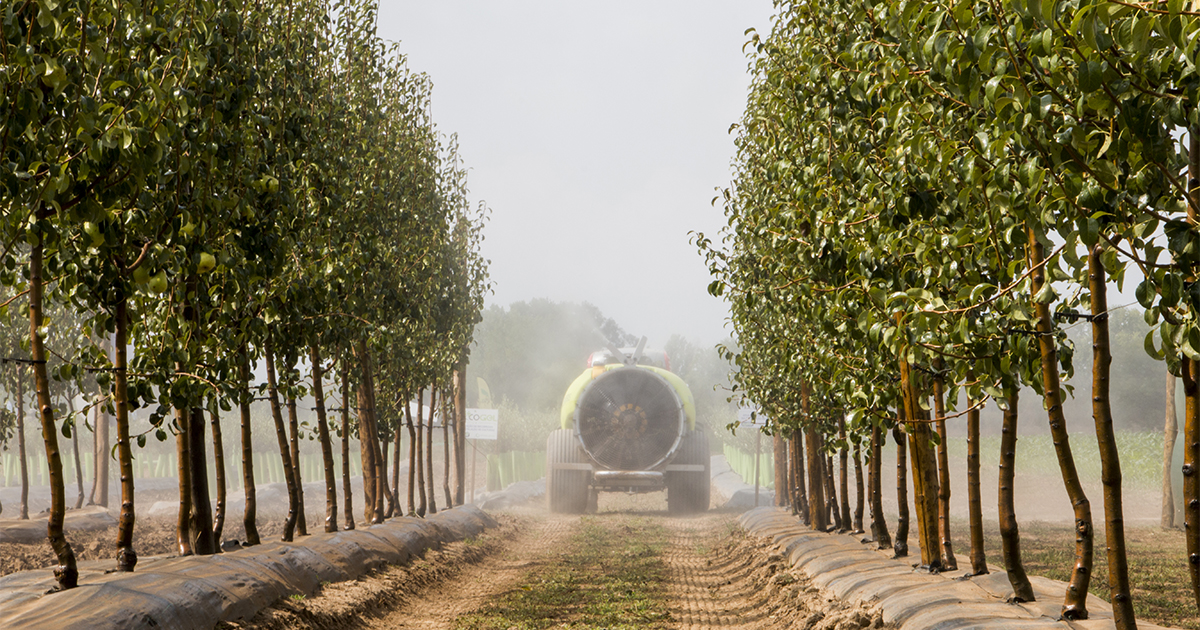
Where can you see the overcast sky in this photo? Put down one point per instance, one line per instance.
(598, 135)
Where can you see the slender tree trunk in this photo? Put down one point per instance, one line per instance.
(429, 477)
(781, 469)
(1191, 392)
(183, 532)
(314, 357)
(460, 430)
(380, 474)
(1170, 434)
(389, 497)
(21, 454)
(200, 521)
(924, 467)
(974, 497)
(445, 450)
(249, 519)
(831, 496)
(126, 556)
(347, 491)
(398, 441)
(900, 544)
(817, 509)
(367, 452)
(218, 527)
(412, 452)
(879, 528)
(1191, 474)
(294, 440)
(949, 562)
(858, 490)
(1075, 603)
(102, 450)
(420, 460)
(799, 490)
(844, 475)
(816, 485)
(1010, 537)
(285, 453)
(67, 574)
(75, 456)
(1110, 463)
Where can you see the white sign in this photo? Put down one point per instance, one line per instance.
(483, 424)
(746, 420)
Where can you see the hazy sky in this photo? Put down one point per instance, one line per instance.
(598, 134)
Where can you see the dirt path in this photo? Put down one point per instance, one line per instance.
(535, 545)
(628, 566)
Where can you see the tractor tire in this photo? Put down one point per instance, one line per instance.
(690, 492)
(566, 490)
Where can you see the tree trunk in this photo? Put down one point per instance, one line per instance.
(102, 450)
(347, 491)
(21, 454)
(1110, 463)
(218, 527)
(398, 443)
(445, 450)
(412, 452)
(200, 521)
(460, 431)
(844, 475)
(281, 437)
(974, 498)
(831, 496)
(429, 477)
(900, 544)
(367, 453)
(67, 574)
(879, 528)
(380, 474)
(389, 497)
(314, 357)
(781, 469)
(924, 466)
(1170, 434)
(817, 509)
(858, 490)
(126, 556)
(1191, 392)
(75, 456)
(949, 562)
(1191, 474)
(419, 462)
(1075, 603)
(799, 490)
(183, 532)
(250, 516)
(1010, 537)
(294, 445)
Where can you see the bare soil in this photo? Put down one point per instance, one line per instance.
(151, 537)
(705, 573)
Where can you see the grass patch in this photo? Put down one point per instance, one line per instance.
(1162, 589)
(611, 576)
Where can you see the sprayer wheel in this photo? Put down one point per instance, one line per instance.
(566, 490)
(689, 492)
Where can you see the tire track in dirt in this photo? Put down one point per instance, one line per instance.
(537, 545)
(720, 578)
